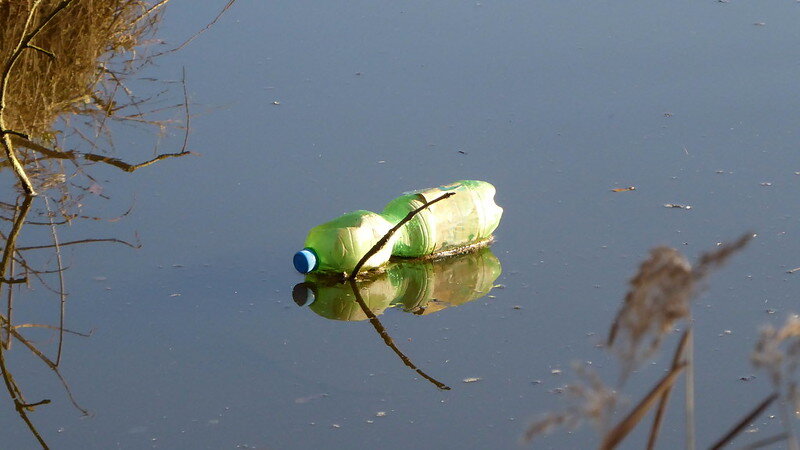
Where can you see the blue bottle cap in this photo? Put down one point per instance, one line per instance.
(305, 260)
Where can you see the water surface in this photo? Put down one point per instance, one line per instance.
(197, 340)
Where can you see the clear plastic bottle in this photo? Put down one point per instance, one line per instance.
(338, 245)
(466, 218)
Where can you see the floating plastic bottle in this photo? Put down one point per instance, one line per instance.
(416, 286)
(467, 218)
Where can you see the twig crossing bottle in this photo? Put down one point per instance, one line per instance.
(465, 219)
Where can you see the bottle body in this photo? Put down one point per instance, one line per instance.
(339, 244)
(468, 217)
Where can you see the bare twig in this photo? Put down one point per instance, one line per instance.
(186, 110)
(150, 11)
(620, 432)
(766, 441)
(5, 76)
(81, 241)
(62, 292)
(49, 364)
(203, 30)
(689, 394)
(118, 163)
(20, 406)
(376, 323)
(382, 241)
(11, 240)
(677, 358)
(742, 424)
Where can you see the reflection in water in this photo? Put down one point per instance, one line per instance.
(416, 286)
(13, 257)
(64, 72)
(69, 61)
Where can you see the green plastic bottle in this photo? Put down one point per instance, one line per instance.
(466, 218)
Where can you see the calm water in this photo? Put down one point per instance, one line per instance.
(197, 341)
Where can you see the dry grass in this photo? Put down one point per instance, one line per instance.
(778, 351)
(69, 85)
(92, 41)
(590, 400)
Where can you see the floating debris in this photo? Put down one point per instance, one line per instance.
(793, 270)
(766, 184)
(380, 414)
(309, 398)
(472, 379)
(675, 205)
(629, 188)
(556, 371)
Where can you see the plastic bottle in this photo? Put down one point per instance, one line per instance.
(466, 218)
(416, 286)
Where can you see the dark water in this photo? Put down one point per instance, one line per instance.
(197, 342)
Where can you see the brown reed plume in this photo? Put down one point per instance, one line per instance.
(659, 297)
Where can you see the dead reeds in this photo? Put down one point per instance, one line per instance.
(87, 44)
(65, 67)
(659, 299)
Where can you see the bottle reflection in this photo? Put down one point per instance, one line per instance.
(415, 286)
